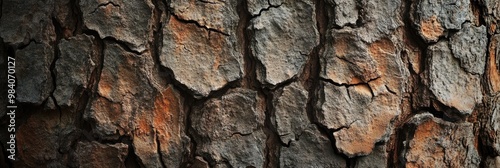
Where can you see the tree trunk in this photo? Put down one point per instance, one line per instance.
(276, 83)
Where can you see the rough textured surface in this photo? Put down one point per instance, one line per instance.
(449, 82)
(492, 162)
(119, 88)
(233, 121)
(345, 12)
(159, 137)
(346, 59)
(282, 38)
(361, 120)
(44, 139)
(470, 45)
(212, 14)
(203, 52)
(94, 154)
(377, 159)
(491, 135)
(77, 61)
(318, 154)
(22, 22)
(363, 85)
(291, 114)
(33, 73)
(434, 18)
(129, 21)
(491, 15)
(370, 20)
(200, 58)
(251, 83)
(438, 143)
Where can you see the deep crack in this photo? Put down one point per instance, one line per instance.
(104, 5)
(198, 24)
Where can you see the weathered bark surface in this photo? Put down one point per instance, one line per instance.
(252, 83)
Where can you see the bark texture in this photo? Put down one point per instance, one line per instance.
(252, 83)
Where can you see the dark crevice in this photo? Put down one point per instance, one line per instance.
(168, 75)
(250, 81)
(77, 15)
(158, 149)
(347, 84)
(122, 44)
(442, 112)
(189, 102)
(240, 134)
(485, 81)
(360, 4)
(244, 35)
(281, 84)
(405, 57)
(188, 96)
(91, 88)
(404, 133)
(132, 160)
(333, 130)
(222, 91)
(208, 2)
(313, 68)
(156, 43)
(435, 113)
(86, 125)
(486, 149)
(479, 119)
(266, 9)
(351, 162)
(372, 92)
(413, 41)
(196, 23)
(57, 54)
(388, 89)
(120, 139)
(478, 8)
(313, 79)
(190, 157)
(287, 144)
(329, 133)
(104, 5)
(411, 34)
(273, 140)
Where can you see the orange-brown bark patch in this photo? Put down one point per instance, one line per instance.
(431, 29)
(380, 51)
(167, 115)
(493, 71)
(424, 142)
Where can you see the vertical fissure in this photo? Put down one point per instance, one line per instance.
(313, 67)
(158, 150)
(244, 36)
(58, 31)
